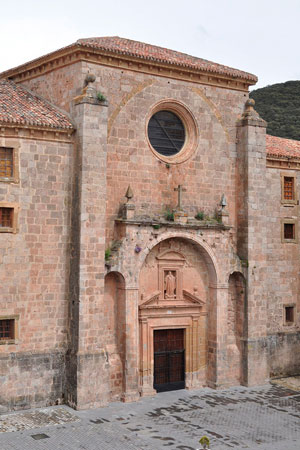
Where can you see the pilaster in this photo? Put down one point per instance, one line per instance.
(131, 376)
(87, 373)
(252, 229)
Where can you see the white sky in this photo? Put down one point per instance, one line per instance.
(258, 36)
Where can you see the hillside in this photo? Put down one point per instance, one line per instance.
(279, 105)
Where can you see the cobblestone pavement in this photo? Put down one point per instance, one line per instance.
(260, 418)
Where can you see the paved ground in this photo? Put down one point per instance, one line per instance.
(261, 418)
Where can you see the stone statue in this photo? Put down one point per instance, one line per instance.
(170, 285)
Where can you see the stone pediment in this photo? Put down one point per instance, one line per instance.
(171, 255)
(152, 300)
(193, 298)
(188, 300)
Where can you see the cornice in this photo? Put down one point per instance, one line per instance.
(35, 133)
(283, 162)
(77, 53)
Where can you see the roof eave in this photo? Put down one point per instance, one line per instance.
(35, 125)
(37, 64)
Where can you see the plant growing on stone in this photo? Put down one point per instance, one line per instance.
(100, 97)
(199, 215)
(107, 254)
(169, 215)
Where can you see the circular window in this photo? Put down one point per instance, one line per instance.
(166, 133)
(171, 131)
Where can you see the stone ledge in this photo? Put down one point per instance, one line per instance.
(161, 223)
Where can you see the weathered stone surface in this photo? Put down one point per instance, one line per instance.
(84, 277)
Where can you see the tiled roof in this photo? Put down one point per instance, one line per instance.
(149, 52)
(21, 107)
(277, 146)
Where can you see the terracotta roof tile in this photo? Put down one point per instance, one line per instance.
(21, 107)
(149, 52)
(277, 146)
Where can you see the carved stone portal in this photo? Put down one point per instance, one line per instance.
(173, 294)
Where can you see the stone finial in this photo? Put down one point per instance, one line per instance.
(90, 78)
(250, 116)
(88, 94)
(223, 202)
(129, 193)
(250, 103)
(222, 213)
(249, 109)
(128, 208)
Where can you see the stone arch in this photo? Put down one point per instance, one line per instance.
(114, 308)
(193, 307)
(215, 111)
(236, 326)
(204, 248)
(126, 98)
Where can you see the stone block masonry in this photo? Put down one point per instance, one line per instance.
(84, 272)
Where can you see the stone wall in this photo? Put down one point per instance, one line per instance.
(282, 281)
(209, 172)
(112, 151)
(34, 265)
(59, 86)
(31, 380)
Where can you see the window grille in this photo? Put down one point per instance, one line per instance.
(6, 162)
(7, 329)
(289, 231)
(6, 217)
(288, 188)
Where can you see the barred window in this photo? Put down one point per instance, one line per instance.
(288, 190)
(289, 231)
(6, 217)
(6, 162)
(7, 329)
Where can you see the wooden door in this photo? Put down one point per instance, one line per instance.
(169, 373)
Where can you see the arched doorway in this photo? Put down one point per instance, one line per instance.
(176, 323)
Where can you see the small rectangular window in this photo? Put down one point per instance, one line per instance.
(288, 193)
(289, 231)
(6, 217)
(288, 189)
(6, 162)
(289, 314)
(7, 329)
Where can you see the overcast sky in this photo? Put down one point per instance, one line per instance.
(258, 36)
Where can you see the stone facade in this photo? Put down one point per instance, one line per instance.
(84, 274)
(34, 273)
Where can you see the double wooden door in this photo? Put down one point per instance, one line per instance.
(169, 370)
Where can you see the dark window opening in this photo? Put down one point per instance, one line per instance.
(166, 133)
(6, 162)
(288, 193)
(289, 314)
(7, 329)
(289, 231)
(6, 217)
